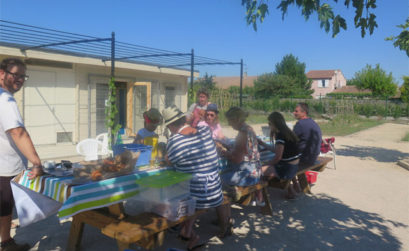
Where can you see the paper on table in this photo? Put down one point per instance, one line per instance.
(32, 206)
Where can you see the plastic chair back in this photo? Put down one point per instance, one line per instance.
(90, 149)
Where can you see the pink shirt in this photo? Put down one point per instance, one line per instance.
(216, 129)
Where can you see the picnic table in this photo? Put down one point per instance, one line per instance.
(99, 204)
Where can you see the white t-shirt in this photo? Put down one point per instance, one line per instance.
(12, 161)
(146, 133)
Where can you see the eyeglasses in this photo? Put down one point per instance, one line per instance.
(18, 76)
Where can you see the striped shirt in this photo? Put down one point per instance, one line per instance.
(196, 154)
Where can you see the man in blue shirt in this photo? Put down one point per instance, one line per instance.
(309, 135)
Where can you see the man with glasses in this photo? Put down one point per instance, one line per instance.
(15, 146)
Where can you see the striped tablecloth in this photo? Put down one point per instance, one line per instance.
(79, 198)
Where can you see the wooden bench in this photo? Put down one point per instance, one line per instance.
(145, 229)
(244, 195)
(302, 178)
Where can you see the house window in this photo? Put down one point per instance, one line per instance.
(170, 96)
(323, 83)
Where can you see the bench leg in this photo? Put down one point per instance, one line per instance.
(266, 210)
(305, 187)
(76, 230)
(122, 245)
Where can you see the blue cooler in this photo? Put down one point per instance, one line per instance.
(144, 157)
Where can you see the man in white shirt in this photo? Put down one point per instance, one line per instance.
(15, 146)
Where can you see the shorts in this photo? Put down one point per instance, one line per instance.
(6, 196)
(243, 174)
(286, 171)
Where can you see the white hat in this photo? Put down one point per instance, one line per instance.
(171, 114)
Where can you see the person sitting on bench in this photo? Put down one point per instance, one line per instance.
(309, 135)
(244, 166)
(285, 162)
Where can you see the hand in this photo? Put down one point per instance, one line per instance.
(36, 171)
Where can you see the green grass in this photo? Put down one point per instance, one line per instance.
(406, 137)
(347, 124)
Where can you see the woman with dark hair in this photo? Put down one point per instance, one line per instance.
(285, 162)
(196, 111)
(192, 150)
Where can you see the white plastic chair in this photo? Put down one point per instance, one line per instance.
(90, 149)
(103, 138)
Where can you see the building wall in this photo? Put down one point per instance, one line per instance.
(88, 77)
(336, 81)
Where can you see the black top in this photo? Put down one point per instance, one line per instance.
(309, 144)
(290, 148)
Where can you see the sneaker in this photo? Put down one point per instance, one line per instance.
(11, 245)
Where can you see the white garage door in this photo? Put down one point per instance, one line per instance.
(49, 105)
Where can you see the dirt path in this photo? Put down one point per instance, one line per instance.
(362, 205)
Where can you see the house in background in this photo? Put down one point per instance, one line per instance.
(226, 82)
(325, 81)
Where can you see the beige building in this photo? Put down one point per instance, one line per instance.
(325, 81)
(65, 97)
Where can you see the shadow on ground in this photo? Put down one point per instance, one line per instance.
(317, 222)
(378, 153)
(314, 222)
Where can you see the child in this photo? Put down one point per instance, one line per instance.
(152, 119)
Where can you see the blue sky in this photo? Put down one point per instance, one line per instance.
(217, 29)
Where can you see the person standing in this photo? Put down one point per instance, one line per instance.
(197, 111)
(15, 146)
(309, 135)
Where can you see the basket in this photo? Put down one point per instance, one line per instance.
(144, 157)
(311, 176)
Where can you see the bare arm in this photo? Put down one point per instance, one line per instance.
(23, 142)
(138, 139)
(239, 150)
(279, 149)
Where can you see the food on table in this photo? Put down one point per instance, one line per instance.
(107, 168)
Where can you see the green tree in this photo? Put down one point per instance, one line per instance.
(404, 89)
(290, 66)
(271, 85)
(377, 80)
(256, 11)
(402, 40)
(206, 82)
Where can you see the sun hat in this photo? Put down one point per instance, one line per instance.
(153, 116)
(212, 108)
(171, 114)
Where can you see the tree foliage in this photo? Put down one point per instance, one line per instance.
(365, 19)
(402, 40)
(404, 89)
(271, 85)
(377, 80)
(207, 82)
(293, 68)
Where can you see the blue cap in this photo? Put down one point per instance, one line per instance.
(212, 108)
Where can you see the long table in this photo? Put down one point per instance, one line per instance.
(79, 198)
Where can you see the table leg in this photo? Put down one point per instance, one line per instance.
(267, 209)
(74, 240)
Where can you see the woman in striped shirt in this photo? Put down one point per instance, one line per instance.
(285, 162)
(192, 150)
